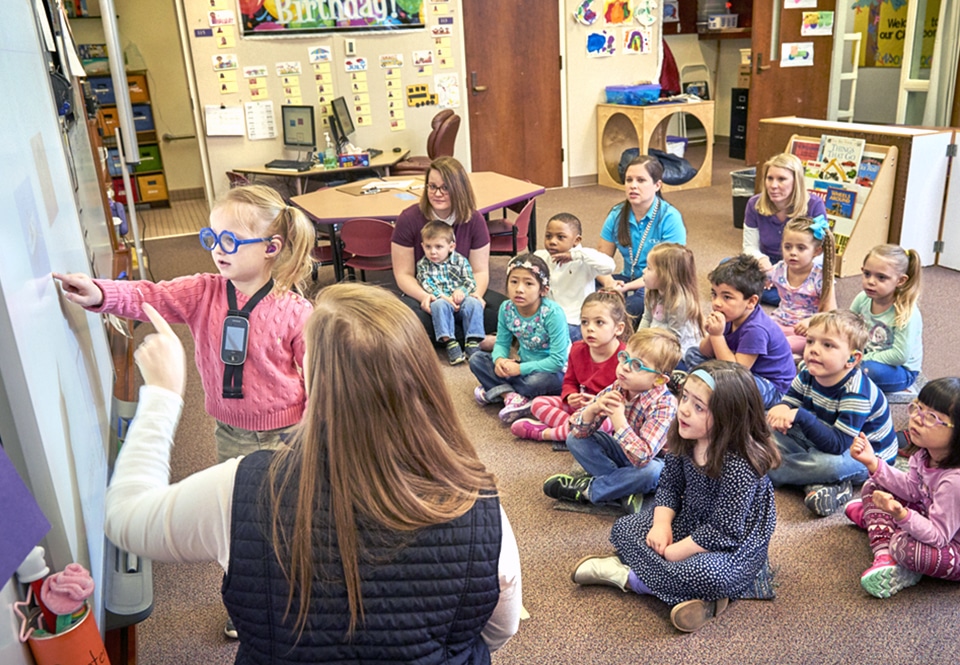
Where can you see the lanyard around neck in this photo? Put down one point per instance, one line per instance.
(633, 260)
(233, 372)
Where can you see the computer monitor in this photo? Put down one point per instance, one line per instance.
(340, 121)
(299, 129)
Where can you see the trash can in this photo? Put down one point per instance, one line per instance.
(743, 188)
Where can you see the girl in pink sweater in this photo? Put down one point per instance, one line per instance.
(261, 247)
(591, 367)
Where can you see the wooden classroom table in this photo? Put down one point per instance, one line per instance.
(335, 205)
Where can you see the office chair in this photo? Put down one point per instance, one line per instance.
(440, 143)
(509, 238)
(237, 179)
(366, 245)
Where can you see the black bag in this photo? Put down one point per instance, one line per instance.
(676, 170)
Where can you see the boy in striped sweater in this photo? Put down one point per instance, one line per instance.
(829, 402)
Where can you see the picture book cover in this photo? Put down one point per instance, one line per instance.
(869, 168)
(812, 169)
(807, 151)
(840, 156)
(819, 189)
(840, 201)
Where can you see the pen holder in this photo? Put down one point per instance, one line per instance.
(80, 644)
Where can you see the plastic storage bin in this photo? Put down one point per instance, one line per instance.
(142, 117)
(633, 95)
(114, 165)
(744, 183)
(149, 159)
(102, 87)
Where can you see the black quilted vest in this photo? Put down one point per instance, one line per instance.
(425, 600)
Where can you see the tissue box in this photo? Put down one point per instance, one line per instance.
(357, 159)
(639, 94)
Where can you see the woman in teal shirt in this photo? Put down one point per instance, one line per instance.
(636, 225)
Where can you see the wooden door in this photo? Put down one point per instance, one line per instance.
(779, 91)
(512, 55)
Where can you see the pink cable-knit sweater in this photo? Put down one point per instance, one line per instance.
(273, 394)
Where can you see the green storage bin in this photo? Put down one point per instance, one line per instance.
(149, 159)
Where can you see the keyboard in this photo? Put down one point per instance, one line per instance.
(288, 165)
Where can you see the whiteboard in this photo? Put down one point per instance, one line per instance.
(56, 374)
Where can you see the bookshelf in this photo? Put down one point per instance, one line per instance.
(859, 214)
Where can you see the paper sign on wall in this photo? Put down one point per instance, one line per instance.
(260, 120)
(796, 54)
(222, 120)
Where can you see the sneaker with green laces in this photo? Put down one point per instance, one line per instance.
(565, 487)
(454, 352)
(471, 347)
(825, 500)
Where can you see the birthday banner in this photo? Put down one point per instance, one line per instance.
(289, 18)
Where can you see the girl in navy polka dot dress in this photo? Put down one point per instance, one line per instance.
(706, 539)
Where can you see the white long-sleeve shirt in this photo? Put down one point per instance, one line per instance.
(190, 520)
(573, 281)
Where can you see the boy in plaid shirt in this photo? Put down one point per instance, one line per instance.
(624, 466)
(447, 276)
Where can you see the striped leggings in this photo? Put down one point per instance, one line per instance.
(887, 538)
(552, 411)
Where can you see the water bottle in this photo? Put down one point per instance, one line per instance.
(330, 154)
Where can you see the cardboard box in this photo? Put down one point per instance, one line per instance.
(743, 76)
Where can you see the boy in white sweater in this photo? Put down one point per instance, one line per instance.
(573, 268)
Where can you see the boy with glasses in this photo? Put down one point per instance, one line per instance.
(624, 466)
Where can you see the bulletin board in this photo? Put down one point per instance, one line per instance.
(372, 71)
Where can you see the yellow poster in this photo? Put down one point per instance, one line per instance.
(883, 30)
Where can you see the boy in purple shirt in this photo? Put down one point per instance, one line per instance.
(740, 331)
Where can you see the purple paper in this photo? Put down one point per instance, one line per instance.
(22, 523)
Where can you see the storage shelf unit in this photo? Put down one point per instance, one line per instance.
(148, 178)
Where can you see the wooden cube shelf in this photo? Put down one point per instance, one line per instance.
(620, 127)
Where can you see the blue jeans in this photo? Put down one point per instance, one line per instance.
(634, 299)
(575, 333)
(444, 318)
(769, 393)
(889, 378)
(614, 475)
(805, 464)
(528, 385)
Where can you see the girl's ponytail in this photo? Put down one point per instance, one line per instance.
(294, 263)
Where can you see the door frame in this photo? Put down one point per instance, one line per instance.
(199, 131)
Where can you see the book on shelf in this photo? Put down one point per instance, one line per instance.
(805, 149)
(840, 157)
(870, 165)
(841, 243)
(840, 201)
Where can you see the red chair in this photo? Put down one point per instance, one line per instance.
(508, 238)
(440, 143)
(237, 179)
(366, 245)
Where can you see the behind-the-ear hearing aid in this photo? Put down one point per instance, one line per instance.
(271, 249)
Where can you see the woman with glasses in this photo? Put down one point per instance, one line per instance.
(912, 519)
(624, 466)
(448, 197)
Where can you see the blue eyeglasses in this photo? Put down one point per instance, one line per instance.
(634, 364)
(228, 242)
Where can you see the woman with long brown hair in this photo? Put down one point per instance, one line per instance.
(376, 535)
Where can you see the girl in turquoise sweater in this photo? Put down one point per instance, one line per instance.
(540, 327)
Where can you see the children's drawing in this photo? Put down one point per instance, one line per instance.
(600, 44)
(645, 12)
(816, 24)
(448, 90)
(585, 15)
(636, 40)
(671, 11)
(796, 54)
(616, 11)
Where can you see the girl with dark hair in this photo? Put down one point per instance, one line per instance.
(636, 225)
(913, 519)
(706, 540)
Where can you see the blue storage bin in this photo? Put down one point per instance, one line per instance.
(633, 95)
(102, 87)
(142, 117)
(114, 166)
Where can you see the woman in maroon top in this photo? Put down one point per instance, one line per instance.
(448, 197)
